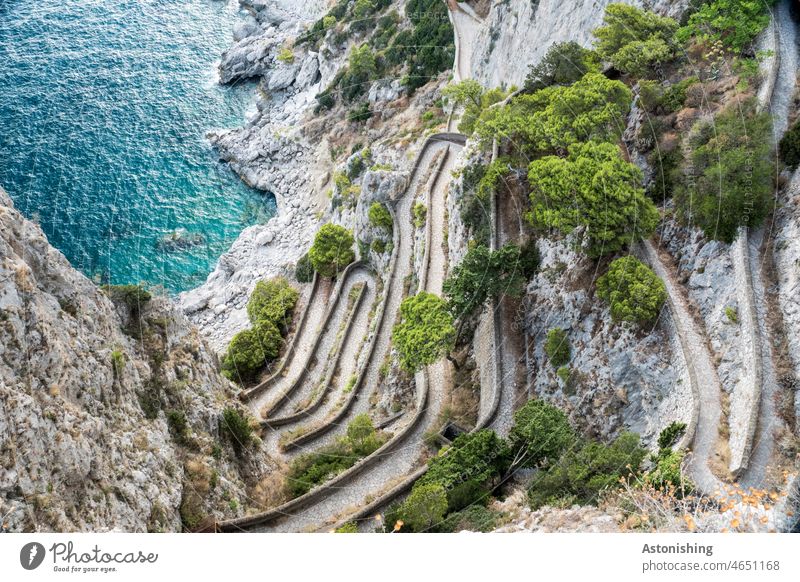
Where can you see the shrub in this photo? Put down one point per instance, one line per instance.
(238, 428)
(178, 425)
(420, 214)
(557, 347)
(483, 274)
(667, 474)
(349, 527)
(432, 38)
(471, 95)
(250, 350)
(582, 473)
(563, 64)
(731, 180)
(540, 434)
(380, 217)
(360, 113)
(633, 290)
(467, 469)
(736, 23)
(272, 301)
(596, 189)
(285, 55)
(311, 469)
(425, 332)
(332, 250)
(789, 146)
(670, 435)
(593, 108)
(732, 314)
(304, 270)
(133, 297)
(634, 40)
(425, 507)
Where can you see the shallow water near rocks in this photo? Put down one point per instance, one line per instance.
(104, 107)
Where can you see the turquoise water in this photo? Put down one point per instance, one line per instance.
(104, 107)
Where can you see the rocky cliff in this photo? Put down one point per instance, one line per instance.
(87, 386)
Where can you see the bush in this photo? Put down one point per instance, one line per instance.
(311, 469)
(272, 301)
(178, 425)
(473, 98)
(667, 474)
(304, 270)
(133, 297)
(581, 474)
(332, 250)
(349, 527)
(557, 347)
(732, 169)
(425, 332)
(634, 40)
(432, 38)
(420, 214)
(540, 434)
(250, 350)
(789, 146)
(593, 188)
(380, 217)
(670, 435)
(472, 518)
(425, 507)
(467, 469)
(593, 108)
(633, 290)
(237, 427)
(735, 23)
(483, 274)
(564, 63)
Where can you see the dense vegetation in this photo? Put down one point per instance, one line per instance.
(483, 274)
(633, 290)
(735, 23)
(635, 40)
(311, 469)
(332, 250)
(557, 347)
(593, 189)
(461, 478)
(269, 309)
(425, 332)
(380, 217)
(563, 64)
(237, 427)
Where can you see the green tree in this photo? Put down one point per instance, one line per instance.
(593, 108)
(596, 190)
(790, 146)
(633, 40)
(361, 69)
(557, 347)
(380, 217)
(483, 274)
(730, 172)
(238, 428)
(272, 301)
(332, 250)
(362, 435)
(582, 473)
(471, 95)
(467, 469)
(564, 64)
(540, 434)
(736, 23)
(633, 290)
(250, 350)
(304, 270)
(425, 332)
(425, 507)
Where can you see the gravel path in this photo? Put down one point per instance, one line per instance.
(702, 373)
(465, 28)
(345, 335)
(303, 343)
(399, 462)
(780, 103)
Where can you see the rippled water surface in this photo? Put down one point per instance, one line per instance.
(104, 107)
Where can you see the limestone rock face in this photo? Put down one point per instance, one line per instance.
(85, 391)
(521, 27)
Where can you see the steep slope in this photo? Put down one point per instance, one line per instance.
(86, 387)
